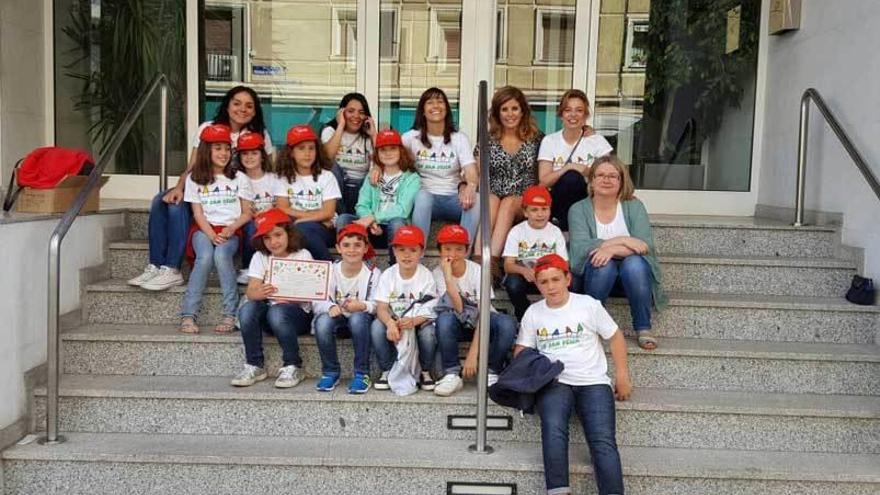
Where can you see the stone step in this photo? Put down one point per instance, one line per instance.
(708, 235)
(650, 418)
(691, 315)
(696, 364)
(112, 463)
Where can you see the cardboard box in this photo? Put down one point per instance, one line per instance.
(59, 199)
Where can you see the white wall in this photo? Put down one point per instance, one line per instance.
(835, 51)
(23, 295)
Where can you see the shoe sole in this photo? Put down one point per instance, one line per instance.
(441, 393)
(428, 388)
(359, 392)
(326, 389)
(381, 386)
(287, 385)
(161, 287)
(256, 379)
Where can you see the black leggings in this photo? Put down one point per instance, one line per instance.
(568, 190)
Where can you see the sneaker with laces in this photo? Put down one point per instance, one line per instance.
(360, 384)
(166, 278)
(382, 382)
(493, 379)
(288, 376)
(448, 385)
(149, 273)
(243, 277)
(426, 382)
(327, 383)
(249, 376)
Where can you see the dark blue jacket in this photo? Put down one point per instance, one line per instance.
(529, 372)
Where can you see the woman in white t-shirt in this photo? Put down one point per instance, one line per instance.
(565, 156)
(348, 141)
(445, 161)
(307, 191)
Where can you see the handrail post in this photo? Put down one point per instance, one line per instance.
(803, 134)
(54, 296)
(485, 277)
(163, 136)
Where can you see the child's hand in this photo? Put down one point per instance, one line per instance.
(334, 311)
(375, 229)
(405, 323)
(354, 305)
(622, 387)
(446, 266)
(469, 370)
(217, 239)
(392, 333)
(265, 291)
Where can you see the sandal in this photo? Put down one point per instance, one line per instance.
(188, 325)
(647, 340)
(226, 325)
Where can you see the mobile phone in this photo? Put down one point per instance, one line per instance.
(366, 125)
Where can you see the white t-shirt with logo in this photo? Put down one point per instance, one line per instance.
(554, 149)
(468, 284)
(259, 269)
(264, 192)
(306, 194)
(400, 294)
(571, 334)
(354, 152)
(527, 244)
(220, 199)
(267, 141)
(440, 165)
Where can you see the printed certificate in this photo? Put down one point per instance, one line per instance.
(299, 280)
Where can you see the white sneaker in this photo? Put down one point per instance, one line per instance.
(168, 277)
(288, 376)
(149, 273)
(493, 379)
(249, 376)
(448, 385)
(243, 277)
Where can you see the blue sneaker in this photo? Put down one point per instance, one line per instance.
(360, 384)
(327, 383)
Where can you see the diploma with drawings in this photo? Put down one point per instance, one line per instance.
(299, 280)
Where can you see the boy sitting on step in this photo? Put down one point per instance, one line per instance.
(458, 313)
(349, 311)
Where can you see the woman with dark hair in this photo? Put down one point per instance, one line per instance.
(170, 216)
(445, 161)
(348, 141)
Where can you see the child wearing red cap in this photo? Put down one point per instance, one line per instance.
(384, 207)
(220, 199)
(405, 299)
(566, 327)
(275, 236)
(307, 191)
(528, 241)
(349, 311)
(255, 163)
(458, 282)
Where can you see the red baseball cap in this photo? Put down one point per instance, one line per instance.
(357, 229)
(551, 261)
(409, 235)
(453, 234)
(388, 137)
(250, 141)
(216, 133)
(267, 220)
(537, 196)
(300, 133)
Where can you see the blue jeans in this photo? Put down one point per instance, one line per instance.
(450, 331)
(350, 189)
(378, 241)
(631, 274)
(207, 256)
(594, 405)
(429, 206)
(386, 351)
(518, 289)
(568, 190)
(317, 238)
(167, 230)
(285, 321)
(357, 326)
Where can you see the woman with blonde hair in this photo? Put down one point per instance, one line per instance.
(612, 245)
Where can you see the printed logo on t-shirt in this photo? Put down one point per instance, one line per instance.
(559, 338)
(216, 195)
(431, 160)
(263, 201)
(353, 158)
(343, 295)
(559, 162)
(400, 302)
(306, 199)
(528, 255)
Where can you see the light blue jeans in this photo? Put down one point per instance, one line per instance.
(444, 207)
(386, 351)
(207, 256)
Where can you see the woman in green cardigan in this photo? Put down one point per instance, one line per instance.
(612, 245)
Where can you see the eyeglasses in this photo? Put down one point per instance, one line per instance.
(613, 177)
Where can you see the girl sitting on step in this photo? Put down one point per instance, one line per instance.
(256, 164)
(221, 205)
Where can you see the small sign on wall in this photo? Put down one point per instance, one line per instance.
(734, 17)
(785, 15)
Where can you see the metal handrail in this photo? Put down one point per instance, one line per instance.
(485, 276)
(813, 95)
(159, 82)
